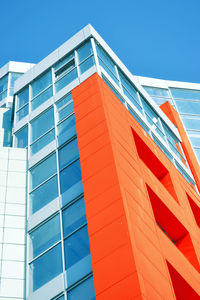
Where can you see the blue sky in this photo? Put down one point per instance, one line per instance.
(153, 38)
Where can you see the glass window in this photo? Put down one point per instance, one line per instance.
(195, 140)
(108, 71)
(14, 76)
(84, 51)
(43, 171)
(23, 112)
(160, 101)
(45, 268)
(68, 153)
(63, 61)
(4, 83)
(37, 101)
(66, 111)
(106, 59)
(42, 124)
(44, 237)
(191, 122)
(185, 94)
(85, 290)
(21, 138)
(41, 83)
(64, 101)
(188, 107)
(44, 194)
(65, 80)
(159, 92)
(113, 90)
(22, 98)
(86, 65)
(66, 68)
(42, 142)
(70, 176)
(73, 217)
(67, 125)
(77, 255)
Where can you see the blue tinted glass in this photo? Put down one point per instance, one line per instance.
(77, 256)
(195, 140)
(44, 237)
(41, 83)
(21, 138)
(83, 291)
(3, 83)
(45, 268)
(188, 107)
(43, 195)
(157, 91)
(65, 80)
(23, 112)
(128, 87)
(14, 76)
(185, 94)
(191, 122)
(70, 176)
(106, 59)
(22, 98)
(42, 124)
(62, 102)
(88, 63)
(3, 95)
(42, 98)
(108, 71)
(66, 68)
(73, 217)
(68, 153)
(63, 61)
(42, 171)
(43, 141)
(66, 125)
(160, 101)
(66, 111)
(84, 51)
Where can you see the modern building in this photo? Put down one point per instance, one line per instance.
(109, 181)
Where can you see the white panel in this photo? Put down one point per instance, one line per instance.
(15, 209)
(14, 236)
(17, 165)
(3, 177)
(13, 252)
(15, 195)
(2, 192)
(3, 164)
(17, 154)
(12, 269)
(12, 288)
(14, 222)
(16, 179)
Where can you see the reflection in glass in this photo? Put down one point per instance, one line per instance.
(45, 268)
(68, 153)
(68, 124)
(65, 80)
(70, 176)
(41, 83)
(44, 237)
(21, 138)
(85, 290)
(42, 98)
(43, 195)
(23, 112)
(84, 51)
(43, 141)
(42, 124)
(88, 63)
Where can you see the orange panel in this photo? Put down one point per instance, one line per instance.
(118, 159)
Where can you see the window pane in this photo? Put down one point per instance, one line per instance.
(42, 171)
(77, 256)
(20, 114)
(62, 102)
(83, 291)
(44, 237)
(73, 217)
(185, 94)
(65, 80)
(86, 64)
(195, 140)
(66, 111)
(188, 107)
(68, 153)
(191, 122)
(43, 195)
(108, 71)
(84, 51)
(159, 92)
(45, 268)
(66, 125)
(42, 98)
(106, 59)
(22, 97)
(42, 124)
(14, 76)
(21, 138)
(43, 141)
(41, 83)
(3, 83)
(70, 176)
(63, 61)
(66, 68)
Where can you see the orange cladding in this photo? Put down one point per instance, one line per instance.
(135, 252)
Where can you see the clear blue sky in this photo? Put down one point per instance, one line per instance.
(156, 38)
